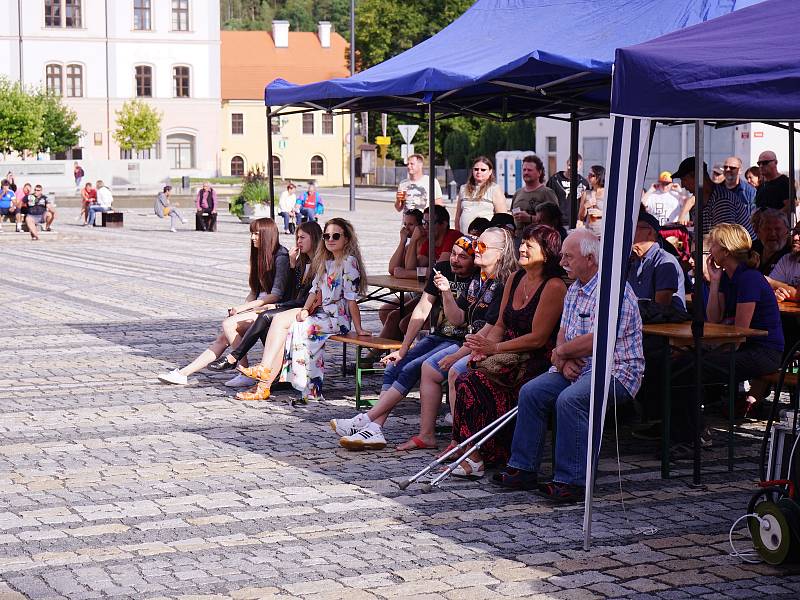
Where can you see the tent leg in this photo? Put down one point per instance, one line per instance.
(270, 174)
(792, 190)
(699, 318)
(574, 126)
(432, 191)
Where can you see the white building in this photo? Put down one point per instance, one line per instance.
(99, 53)
(671, 144)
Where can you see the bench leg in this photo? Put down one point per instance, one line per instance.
(344, 359)
(666, 414)
(732, 389)
(358, 378)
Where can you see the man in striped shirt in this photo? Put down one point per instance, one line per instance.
(719, 205)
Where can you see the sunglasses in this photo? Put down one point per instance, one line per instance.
(481, 247)
(331, 236)
(481, 169)
(730, 168)
(763, 163)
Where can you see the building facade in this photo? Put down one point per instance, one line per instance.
(311, 146)
(97, 54)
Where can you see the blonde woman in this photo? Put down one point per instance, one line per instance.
(480, 196)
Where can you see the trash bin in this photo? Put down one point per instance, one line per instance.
(185, 184)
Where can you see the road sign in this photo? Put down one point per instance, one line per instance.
(383, 140)
(384, 121)
(408, 132)
(406, 150)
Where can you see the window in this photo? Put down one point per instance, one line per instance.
(146, 154)
(141, 15)
(317, 165)
(237, 123)
(180, 151)
(237, 166)
(52, 13)
(144, 81)
(327, 124)
(180, 78)
(308, 123)
(180, 15)
(74, 81)
(53, 79)
(276, 166)
(276, 125)
(72, 13)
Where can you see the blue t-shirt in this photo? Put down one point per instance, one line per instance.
(657, 270)
(7, 198)
(748, 285)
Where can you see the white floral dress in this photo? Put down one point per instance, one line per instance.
(303, 357)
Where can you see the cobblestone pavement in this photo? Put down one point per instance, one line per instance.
(113, 485)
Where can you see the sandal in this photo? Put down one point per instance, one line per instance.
(259, 392)
(450, 447)
(475, 469)
(561, 493)
(416, 443)
(259, 372)
(516, 479)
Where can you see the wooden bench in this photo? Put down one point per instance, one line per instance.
(112, 219)
(361, 342)
(198, 221)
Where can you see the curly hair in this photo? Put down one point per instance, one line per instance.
(351, 248)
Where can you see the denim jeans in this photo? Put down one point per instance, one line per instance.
(285, 216)
(93, 210)
(540, 396)
(460, 365)
(308, 214)
(404, 374)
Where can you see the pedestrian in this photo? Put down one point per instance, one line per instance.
(412, 193)
(77, 173)
(164, 208)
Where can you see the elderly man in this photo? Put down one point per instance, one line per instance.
(719, 205)
(732, 171)
(412, 193)
(206, 206)
(654, 273)
(785, 277)
(773, 241)
(530, 195)
(775, 190)
(566, 388)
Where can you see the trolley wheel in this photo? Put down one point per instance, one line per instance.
(772, 537)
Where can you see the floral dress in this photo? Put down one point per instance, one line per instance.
(303, 356)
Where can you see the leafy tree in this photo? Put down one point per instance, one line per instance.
(60, 130)
(520, 135)
(21, 118)
(138, 126)
(299, 13)
(457, 149)
(492, 138)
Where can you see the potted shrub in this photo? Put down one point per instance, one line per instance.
(252, 202)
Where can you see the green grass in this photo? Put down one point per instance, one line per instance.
(176, 181)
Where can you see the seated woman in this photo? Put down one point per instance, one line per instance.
(269, 271)
(307, 238)
(473, 310)
(739, 295)
(515, 350)
(294, 350)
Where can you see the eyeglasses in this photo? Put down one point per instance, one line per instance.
(481, 247)
(730, 168)
(481, 169)
(764, 163)
(592, 175)
(331, 236)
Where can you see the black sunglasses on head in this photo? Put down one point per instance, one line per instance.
(331, 236)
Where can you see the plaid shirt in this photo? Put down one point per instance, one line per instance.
(578, 319)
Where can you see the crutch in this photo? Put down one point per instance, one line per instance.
(490, 430)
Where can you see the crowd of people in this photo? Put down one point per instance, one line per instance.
(26, 205)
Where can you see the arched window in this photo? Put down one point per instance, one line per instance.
(74, 81)
(180, 150)
(237, 166)
(53, 79)
(276, 166)
(317, 165)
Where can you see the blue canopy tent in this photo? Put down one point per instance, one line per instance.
(717, 71)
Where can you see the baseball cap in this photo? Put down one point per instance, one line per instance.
(649, 219)
(687, 166)
(665, 177)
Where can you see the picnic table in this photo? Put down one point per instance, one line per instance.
(386, 286)
(680, 337)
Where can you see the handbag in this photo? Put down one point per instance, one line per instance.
(505, 368)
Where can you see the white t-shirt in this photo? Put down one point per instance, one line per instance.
(417, 193)
(104, 197)
(287, 202)
(664, 205)
(787, 270)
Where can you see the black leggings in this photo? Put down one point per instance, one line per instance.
(257, 331)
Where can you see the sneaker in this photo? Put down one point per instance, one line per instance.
(174, 377)
(346, 427)
(240, 381)
(173, 230)
(447, 421)
(368, 438)
(184, 221)
(19, 228)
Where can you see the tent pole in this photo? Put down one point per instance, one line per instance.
(792, 190)
(573, 172)
(270, 173)
(432, 191)
(698, 318)
(352, 116)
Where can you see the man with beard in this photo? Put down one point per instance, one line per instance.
(773, 241)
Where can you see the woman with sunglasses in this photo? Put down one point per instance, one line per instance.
(513, 351)
(269, 271)
(590, 210)
(331, 308)
(480, 196)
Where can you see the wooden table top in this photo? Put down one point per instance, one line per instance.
(712, 332)
(789, 308)
(396, 284)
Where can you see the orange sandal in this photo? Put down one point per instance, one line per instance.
(259, 392)
(259, 372)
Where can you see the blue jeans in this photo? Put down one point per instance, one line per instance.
(537, 399)
(308, 214)
(285, 216)
(93, 210)
(460, 366)
(404, 374)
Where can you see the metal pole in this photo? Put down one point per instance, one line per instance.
(792, 190)
(108, 93)
(573, 171)
(698, 318)
(270, 174)
(352, 116)
(19, 31)
(431, 190)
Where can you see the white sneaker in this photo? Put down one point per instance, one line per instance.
(174, 377)
(344, 427)
(447, 420)
(369, 438)
(173, 230)
(240, 381)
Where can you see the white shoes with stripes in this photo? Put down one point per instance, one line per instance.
(344, 427)
(368, 438)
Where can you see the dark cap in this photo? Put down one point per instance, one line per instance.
(687, 166)
(649, 219)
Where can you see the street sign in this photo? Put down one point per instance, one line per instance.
(406, 150)
(383, 140)
(408, 132)
(384, 121)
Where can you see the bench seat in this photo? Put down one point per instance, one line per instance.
(361, 342)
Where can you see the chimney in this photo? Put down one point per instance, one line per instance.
(324, 32)
(280, 33)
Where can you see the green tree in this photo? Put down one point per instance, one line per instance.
(138, 126)
(21, 118)
(521, 136)
(492, 139)
(60, 130)
(299, 13)
(335, 11)
(457, 149)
